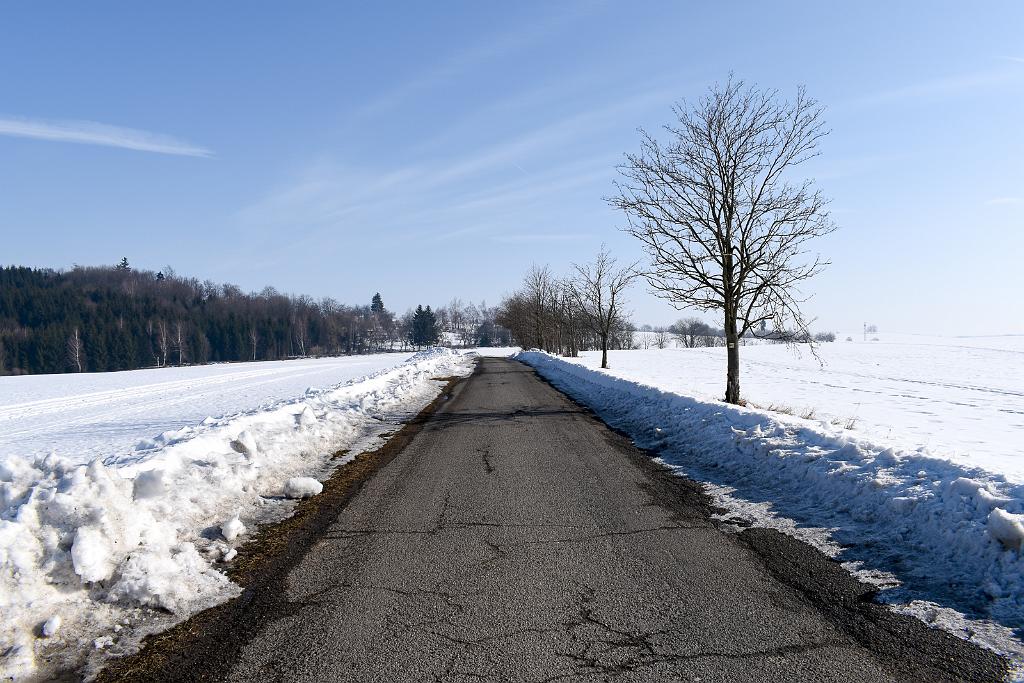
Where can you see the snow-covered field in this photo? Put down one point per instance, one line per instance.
(121, 493)
(102, 415)
(960, 398)
(925, 487)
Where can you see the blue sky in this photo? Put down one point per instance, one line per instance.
(431, 150)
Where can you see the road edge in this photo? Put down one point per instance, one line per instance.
(217, 634)
(824, 583)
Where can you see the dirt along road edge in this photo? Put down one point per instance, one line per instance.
(261, 565)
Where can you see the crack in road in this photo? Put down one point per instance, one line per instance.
(632, 651)
(649, 655)
(486, 455)
(341, 534)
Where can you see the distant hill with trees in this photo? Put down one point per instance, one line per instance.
(95, 319)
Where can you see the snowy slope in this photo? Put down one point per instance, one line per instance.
(99, 415)
(951, 532)
(99, 546)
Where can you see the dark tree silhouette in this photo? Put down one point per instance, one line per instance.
(127, 318)
(724, 227)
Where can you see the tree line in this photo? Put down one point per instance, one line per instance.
(96, 319)
(567, 314)
(547, 312)
(691, 333)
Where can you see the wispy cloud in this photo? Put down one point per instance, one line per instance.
(949, 86)
(1019, 60)
(92, 133)
(454, 188)
(493, 47)
(503, 186)
(1002, 201)
(539, 237)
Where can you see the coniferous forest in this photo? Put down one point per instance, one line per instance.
(96, 319)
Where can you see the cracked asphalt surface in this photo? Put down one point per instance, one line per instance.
(516, 538)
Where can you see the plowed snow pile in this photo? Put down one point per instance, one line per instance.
(93, 555)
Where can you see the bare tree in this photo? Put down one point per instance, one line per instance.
(540, 289)
(622, 336)
(180, 342)
(454, 319)
(163, 341)
(661, 338)
(254, 338)
(299, 327)
(724, 228)
(694, 332)
(686, 332)
(597, 289)
(76, 352)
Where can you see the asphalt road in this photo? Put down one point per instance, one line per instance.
(516, 538)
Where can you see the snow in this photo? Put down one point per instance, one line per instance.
(121, 535)
(1007, 528)
(232, 529)
(945, 525)
(97, 415)
(302, 487)
(496, 351)
(51, 626)
(959, 398)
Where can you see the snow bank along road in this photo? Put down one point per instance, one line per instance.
(128, 535)
(515, 537)
(943, 537)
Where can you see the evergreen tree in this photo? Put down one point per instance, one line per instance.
(424, 330)
(377, 305)
(431, 330)
(415, 330)
(123, 265)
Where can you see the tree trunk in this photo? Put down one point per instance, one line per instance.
(604, 352)
(732, 377)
